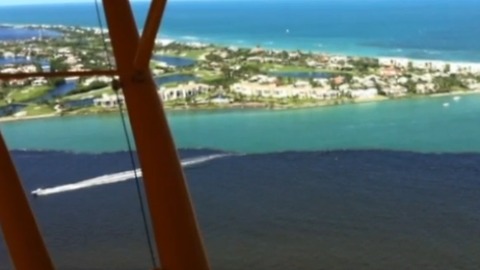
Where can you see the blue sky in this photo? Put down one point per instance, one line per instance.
(26, 2)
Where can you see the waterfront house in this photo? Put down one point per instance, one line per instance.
(8, 55)
(28, 68)
(394, 62)
(301, 84)
(9, 70)
(109, 101)
(39, 82)
(220, 100)
(395, 90)
(103, 79)
(389, 72)
(425, 88)
(364, 93)
(183, 91)
(250, 89)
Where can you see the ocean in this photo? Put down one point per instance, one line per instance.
(291, 191)
(426, 29)
(289, 210)
(379, 185)
(421, 124)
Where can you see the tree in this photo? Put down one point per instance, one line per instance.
(38, 66)
(410, 66)
(250, 69)
(365, 64)
(57, 81)
(58, 65)
(227, 73)
(239, 97)
(190, 99)
(411, 86)
(214, 58)
(333, 85)
(447, 68)
(92, 86)
(446, 84)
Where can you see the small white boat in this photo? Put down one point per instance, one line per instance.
(36, 192)
(446, 104)
(456, 98)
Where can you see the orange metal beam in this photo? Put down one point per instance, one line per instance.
(16, 76)
(177, 236)
(147, 41)
(19, 227)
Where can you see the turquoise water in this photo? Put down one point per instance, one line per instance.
(425, 29)
(421, 124)
(292, 210)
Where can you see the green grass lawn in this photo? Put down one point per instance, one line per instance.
(170, 85)
(195, 54)
(192, 54)
(35, 109)
(91, 110)
(294, 68)
(174, 73)
(94, 93)
(291, 69)
(28, 93)
(207, 76)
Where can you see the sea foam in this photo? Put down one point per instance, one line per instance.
(116, 177)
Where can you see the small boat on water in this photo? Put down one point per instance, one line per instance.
(36, 192)
(446, 104)
(456, 98)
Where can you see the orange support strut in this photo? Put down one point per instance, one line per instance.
(24, 241)
(177, 236)
(150, 31)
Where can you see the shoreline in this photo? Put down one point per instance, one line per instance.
(266, 104)
(26, 118)
(316, 51)
(246, 45)
(248, 106)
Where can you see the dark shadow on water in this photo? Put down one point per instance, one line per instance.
(292, 210)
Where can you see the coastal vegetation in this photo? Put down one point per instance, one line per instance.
(196, 75)
(27, 93)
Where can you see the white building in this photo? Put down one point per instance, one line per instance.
(394, 62)
(183, 91)
(104, 79)
(109, 101)
(286, 91)
(364, 93)
(39, 82)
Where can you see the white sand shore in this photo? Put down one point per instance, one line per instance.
(22, 118)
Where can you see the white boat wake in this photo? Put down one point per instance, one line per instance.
(115, 178)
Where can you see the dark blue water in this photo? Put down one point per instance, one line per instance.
(14, 61)
(294, 210)
(426, 29)
(56, 92)
(87, 102)
(60, 90)
(177, 78)
(11, 109)
(22, 60)
(175, 60)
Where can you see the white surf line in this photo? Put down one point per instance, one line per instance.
(116, 177)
